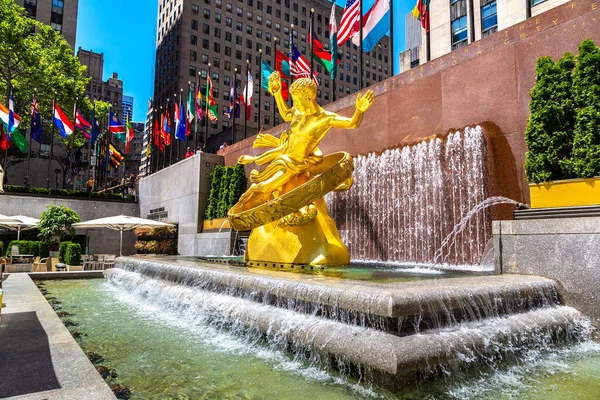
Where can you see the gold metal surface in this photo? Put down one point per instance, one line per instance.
(284, 206)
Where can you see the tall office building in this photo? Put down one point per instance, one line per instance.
(457, 23)
(144, 159)
(127, 108)
(59, 14)
(193, 34)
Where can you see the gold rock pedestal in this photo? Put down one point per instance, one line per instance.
(317, 242)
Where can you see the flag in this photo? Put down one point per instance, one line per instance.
(350, 23)
(180, 121)
(176, 120)
(333, 46)
(246, 96)
(130, 135)
(210, 101)
(158, 136)
(4, 116)
(421, 12)
(282, 64)
(4, 142)
(95, 126)
(117, 127)
(62, 122)
(320, 55)
(191, 113)
(266, 71)
(11, 115)
(198, 105)
(234, 103)
(166, 130)
(74, 158)
(36, 122)
(299, 66)
(115, 157)
(376, 24)
(16, 139)
(82, 124)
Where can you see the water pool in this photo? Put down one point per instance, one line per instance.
(160, 354)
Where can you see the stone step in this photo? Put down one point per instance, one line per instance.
(400, 308)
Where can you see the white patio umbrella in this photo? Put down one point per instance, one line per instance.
(121, 223)
(18, 223)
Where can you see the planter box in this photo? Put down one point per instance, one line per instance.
(567, 193)
(215, 225)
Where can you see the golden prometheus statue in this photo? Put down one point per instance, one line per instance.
(284, 206)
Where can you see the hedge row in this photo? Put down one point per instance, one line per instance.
(36, 248)
(226, 186)
(69, 253)
(68, 193)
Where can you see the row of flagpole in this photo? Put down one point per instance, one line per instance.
(378, 21)
(91, 131)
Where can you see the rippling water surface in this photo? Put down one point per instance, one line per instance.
(160, 354)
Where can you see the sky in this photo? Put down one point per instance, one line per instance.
(125, 32)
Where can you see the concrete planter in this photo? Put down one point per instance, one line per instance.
(214, 225)
(567, 193)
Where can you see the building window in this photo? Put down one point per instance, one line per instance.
(206, 13)
(239, 12)
(31, 7)
(238, 26)
(249, 16)
(238, 40)
(195, 9)
(194, 40)
(228, 22)
(217, 47)
(218, 18)
(194, 24)
(249, 29)
(206, 29)
(192, 71)
(218, 33)
(216, 63)
(193, 55)
(204, 59)
(227, 51)
(536, 2)
(489, 18)
(459, 32)
(205, 44)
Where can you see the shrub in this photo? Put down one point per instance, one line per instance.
(34, 248)
(549, 133)
(44, 249)
(62, 251)
(1, 247)
(222, 205)
(39, 191)
(23, 246)
(57, 221)
(73, 254)
(586, 89)
(237, 186)
(59, 192)
(215, 187)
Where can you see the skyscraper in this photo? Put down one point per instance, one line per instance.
(195, 37)
(59, 14)
(127, 108)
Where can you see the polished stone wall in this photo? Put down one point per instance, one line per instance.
(101, 241)
(563, 249)
(179, 194)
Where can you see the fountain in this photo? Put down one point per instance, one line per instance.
(423, 203)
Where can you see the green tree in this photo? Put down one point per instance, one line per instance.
(237, 186)
(549, 133)
(586, 89)
(57, 221)
(215, 187)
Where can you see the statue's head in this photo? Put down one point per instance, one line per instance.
(303, 91)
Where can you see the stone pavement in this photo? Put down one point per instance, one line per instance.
(39, 359)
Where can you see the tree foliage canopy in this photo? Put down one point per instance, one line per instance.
(57, 221)
(34, 58)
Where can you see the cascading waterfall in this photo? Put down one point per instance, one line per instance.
(405, 201)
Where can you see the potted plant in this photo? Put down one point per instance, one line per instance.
(563, 130)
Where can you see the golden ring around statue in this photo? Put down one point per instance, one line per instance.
(333, 171)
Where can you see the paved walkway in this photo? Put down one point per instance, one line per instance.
(39, 359)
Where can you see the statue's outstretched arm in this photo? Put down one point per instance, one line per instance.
(275, 90)
(362, 104)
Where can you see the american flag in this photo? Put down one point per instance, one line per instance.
(350, 23)
(299, 67)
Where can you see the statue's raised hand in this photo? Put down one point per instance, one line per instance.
(364, 102)
(274, 82)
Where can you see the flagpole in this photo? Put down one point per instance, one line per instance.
(234, 99)
(258, 123)
(311, 33)
(30, 136)
(392, 54)
(7, 134)
(90, 142)
(197, 114)
(107, 149)
(51, 144)
(161, 133)
(206, 101)
(360, 47)
(275, 68)
(185, 116)
(290, 58)
(187, 138)
(172, 134)
(246, 101)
